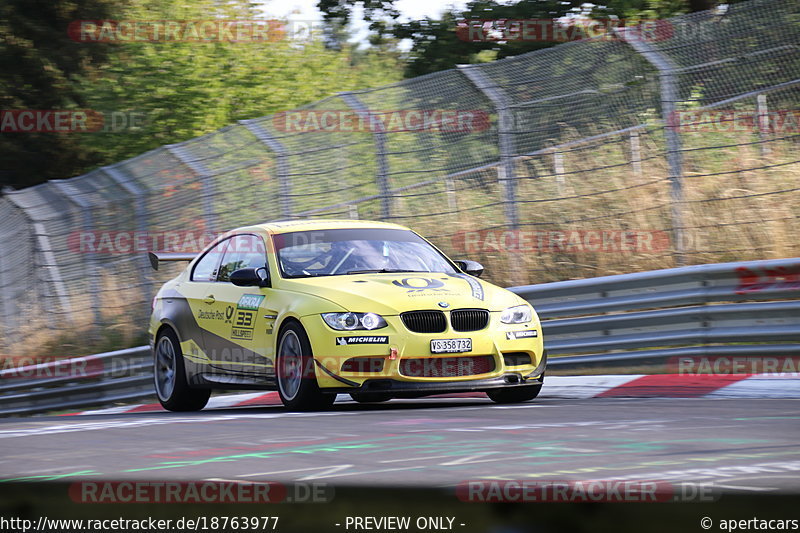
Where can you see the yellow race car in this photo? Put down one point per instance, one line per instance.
(313, 309)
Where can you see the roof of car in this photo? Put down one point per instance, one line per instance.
(286, 226)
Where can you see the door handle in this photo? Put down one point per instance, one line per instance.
(210, 299)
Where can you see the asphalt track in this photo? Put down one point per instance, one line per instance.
(736, 445)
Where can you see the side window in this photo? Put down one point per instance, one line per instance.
(206, 267)
(244, 251)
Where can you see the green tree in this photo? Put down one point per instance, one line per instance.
(155, 93)
(40, 64)
(437, 45)
(183, 90)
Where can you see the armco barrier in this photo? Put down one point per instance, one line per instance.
(715, 309)
(745, 309)
(100, 379)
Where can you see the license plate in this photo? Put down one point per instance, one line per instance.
(451, 345)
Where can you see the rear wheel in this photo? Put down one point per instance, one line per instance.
(174, 392)
(514, 395)
(297, 382)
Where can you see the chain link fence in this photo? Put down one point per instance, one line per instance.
(616, 154)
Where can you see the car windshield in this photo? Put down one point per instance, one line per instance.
(339, 252)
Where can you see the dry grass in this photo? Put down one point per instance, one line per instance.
(734, 208)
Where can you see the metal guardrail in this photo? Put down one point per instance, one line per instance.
(718, 309)
(715, 309)
(93, 380)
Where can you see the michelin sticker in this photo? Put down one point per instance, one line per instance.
(364, 339)
(525, 334)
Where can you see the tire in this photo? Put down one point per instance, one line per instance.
(169, 375)
(514, 395)
(297, 382)
(370, 397)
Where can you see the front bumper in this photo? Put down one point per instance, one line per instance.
(414, 389)
(395, 344)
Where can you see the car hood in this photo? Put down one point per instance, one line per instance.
(390, 294)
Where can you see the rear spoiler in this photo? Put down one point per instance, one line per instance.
(156, 258)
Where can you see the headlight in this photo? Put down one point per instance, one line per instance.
(351, 321)
(519, 314)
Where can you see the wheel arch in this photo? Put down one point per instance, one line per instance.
(284, 323)
(165, 325)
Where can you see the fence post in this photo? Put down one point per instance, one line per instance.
(507, 176)
(505, 133)
(9, 330)
(43, 246)
(88, 226)
(50, 263)
(282, 160)
(763, 123)
(378, 133)
(450, 189)
(558, 168)
(636, 155)
(668, 85)
(141, 216)
(206, 179)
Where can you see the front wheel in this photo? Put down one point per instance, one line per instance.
(297, 382)
(515, 395)
(169, 372)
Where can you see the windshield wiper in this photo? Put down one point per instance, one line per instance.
(382, 271)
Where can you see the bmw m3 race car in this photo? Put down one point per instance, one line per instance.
(313, 309)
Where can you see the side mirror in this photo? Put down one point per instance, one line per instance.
(251, 277)
(473, 268)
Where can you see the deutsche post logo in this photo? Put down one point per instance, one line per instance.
(419, 284)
